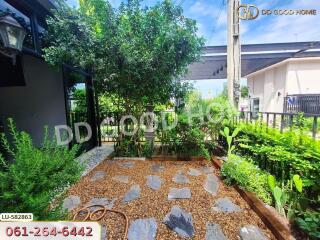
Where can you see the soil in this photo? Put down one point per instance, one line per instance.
(156, 204)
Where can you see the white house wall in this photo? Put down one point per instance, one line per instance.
(303, 77)
(294, 76)
(269, 87)
(256, 88)
(280, 76)
(39, 103)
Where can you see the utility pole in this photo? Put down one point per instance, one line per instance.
(234, 53)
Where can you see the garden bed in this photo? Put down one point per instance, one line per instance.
(269, 216)
(155, 203)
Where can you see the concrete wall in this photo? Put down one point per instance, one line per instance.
(293, 76)
(303, 77)
(256, 89)
(39, 103)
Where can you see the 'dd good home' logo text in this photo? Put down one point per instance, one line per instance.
(251, 12)
(248, 12)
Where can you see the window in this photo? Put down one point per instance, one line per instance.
(11, 74)
(42, 32)
(22, 18)
(255, 107)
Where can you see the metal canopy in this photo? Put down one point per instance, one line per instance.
(254, 57)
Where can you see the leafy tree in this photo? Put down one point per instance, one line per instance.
(136, 54)
(244, 91)
(80, 101)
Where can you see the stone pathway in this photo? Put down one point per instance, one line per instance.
(156, 168)
(225, 205)
(143, 229)
(102, 201)
(154, 182)
(121, 179)
(211, 184)
(97, 176)
(127, 165)
(181, 178)
(214, 232)
(206, 170)
(179, 193)
(71, 202)
(132, 194)
(180, 221)
(251, 233)
(104, 233)
(175, 185)
(194, 172)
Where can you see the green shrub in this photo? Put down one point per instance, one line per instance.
(282, 154)
(285, 155)
(293, 157)
(35, 176)
(188, 139)
(309, 222)
(147, 149)
(247, 175)
(126, 147)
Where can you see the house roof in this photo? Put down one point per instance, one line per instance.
(284, 62)
(47, 4)
(254, 57)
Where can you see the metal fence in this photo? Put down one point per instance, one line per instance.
(306, 103)
(281, 121)
(110, 124)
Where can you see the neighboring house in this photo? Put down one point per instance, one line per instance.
(292, 85)
(274, 71)
(33, 93)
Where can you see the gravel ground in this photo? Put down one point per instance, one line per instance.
(155, 203)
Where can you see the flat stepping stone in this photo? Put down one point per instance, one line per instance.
(132, 194)
(181, 178)
(211, 184)
(127, 165)
(180, 222)
(179, 193)
(214, 232)
(121, 178)
(102, 201)
(194, 172)
(156, 168)
(71, 202)
(206, 170)
(251, 232)
(225, 205)
(104, 232)
(143, 229)
(154, 182)
(97, 176)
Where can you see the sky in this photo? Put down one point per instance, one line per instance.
(211, 19)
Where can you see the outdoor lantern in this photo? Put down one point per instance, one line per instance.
(12, 35)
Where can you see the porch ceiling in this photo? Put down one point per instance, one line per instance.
(254, 57)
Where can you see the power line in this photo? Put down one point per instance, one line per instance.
(217, 19)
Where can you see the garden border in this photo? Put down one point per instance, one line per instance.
(279, 229)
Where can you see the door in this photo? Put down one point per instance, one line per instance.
(80, 106)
